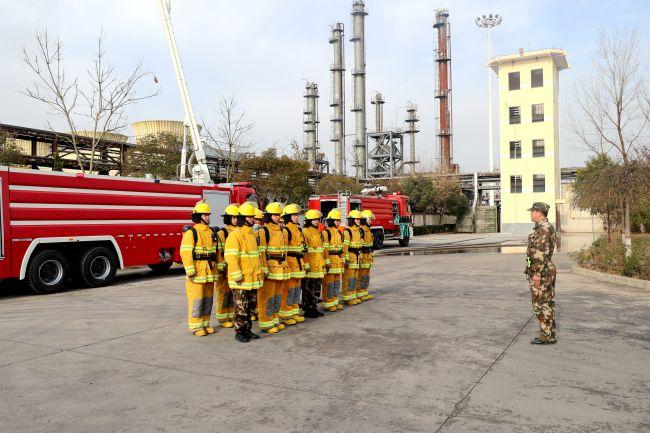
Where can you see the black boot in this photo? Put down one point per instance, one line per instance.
(320, 314)
(242, 338)
(251, 335)
(312, 314)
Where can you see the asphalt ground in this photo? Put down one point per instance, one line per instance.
(444, 348)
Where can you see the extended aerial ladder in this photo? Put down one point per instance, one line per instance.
(198, 162)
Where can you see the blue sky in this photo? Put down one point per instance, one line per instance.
(261, 50)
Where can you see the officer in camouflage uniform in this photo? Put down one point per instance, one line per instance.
(541, 272)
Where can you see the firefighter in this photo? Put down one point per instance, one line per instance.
(245, 273)
(225, 312)
(290, 308)
(259, 221)
(365, 265)
(199, 254)
(314, 264)
(273, 252)
(352, 244)
(333, 246)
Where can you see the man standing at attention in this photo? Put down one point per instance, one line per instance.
(541, 272)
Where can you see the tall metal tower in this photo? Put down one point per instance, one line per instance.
(442, 56)
(359, 75)
(378, 102)
(411, 130)
(311, 122)
(338, 97)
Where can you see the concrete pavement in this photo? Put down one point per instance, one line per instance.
(444, 347)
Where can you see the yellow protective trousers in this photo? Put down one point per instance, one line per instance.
(199, 304)
(363, 282)
(269, 299)
(225, 311)
(331, 290)
(291, 291)
(350, 281)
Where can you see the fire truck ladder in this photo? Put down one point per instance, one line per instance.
(200, 171)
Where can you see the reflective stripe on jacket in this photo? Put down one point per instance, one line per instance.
(353, 242)
(333, 245)
(221, 245)
(243, 259)
(368, 241)
(315, 257)
(296, 246)
(203, 271)
(272, 252)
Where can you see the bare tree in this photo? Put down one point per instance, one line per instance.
(296, 151)
(102, 102)
(612, 114)
(230, 133)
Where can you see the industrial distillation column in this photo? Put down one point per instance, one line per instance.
(411, 119)
(359, 76)
(338, 97)
(378, 102)
(311, 124)
(443, 90)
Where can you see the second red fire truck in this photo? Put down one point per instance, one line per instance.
(393, 218)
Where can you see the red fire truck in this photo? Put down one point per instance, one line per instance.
(55, 226)
(393, 219)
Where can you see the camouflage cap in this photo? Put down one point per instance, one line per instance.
(540, 206)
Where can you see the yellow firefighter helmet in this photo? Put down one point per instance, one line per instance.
(367, 213)
(259, 214)
(313, 214)
(232, 210)
(247, 210)
(201, 207)
(291, 209)
(274, 208)
(334, 214)
(355, 214)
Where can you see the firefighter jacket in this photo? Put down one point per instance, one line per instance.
(222, 235)
(367, 243)
(243, 260)
(273, 251)
(333, 246)
(199, 257)
(353, 241)
(315, 257)
(295, 250)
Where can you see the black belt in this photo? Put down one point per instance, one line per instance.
(366, 249)
(278, 257)
(354, 250)
(211, 257)
(299, 255)
(335, 253)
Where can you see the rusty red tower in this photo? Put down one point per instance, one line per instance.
(442, 55)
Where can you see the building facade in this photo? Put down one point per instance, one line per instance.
(529, 134)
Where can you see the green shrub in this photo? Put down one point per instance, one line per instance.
(605, 256)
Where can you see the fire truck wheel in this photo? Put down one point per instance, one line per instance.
(97, 267)
(404, 242)
(160, 268)
(47, 272)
